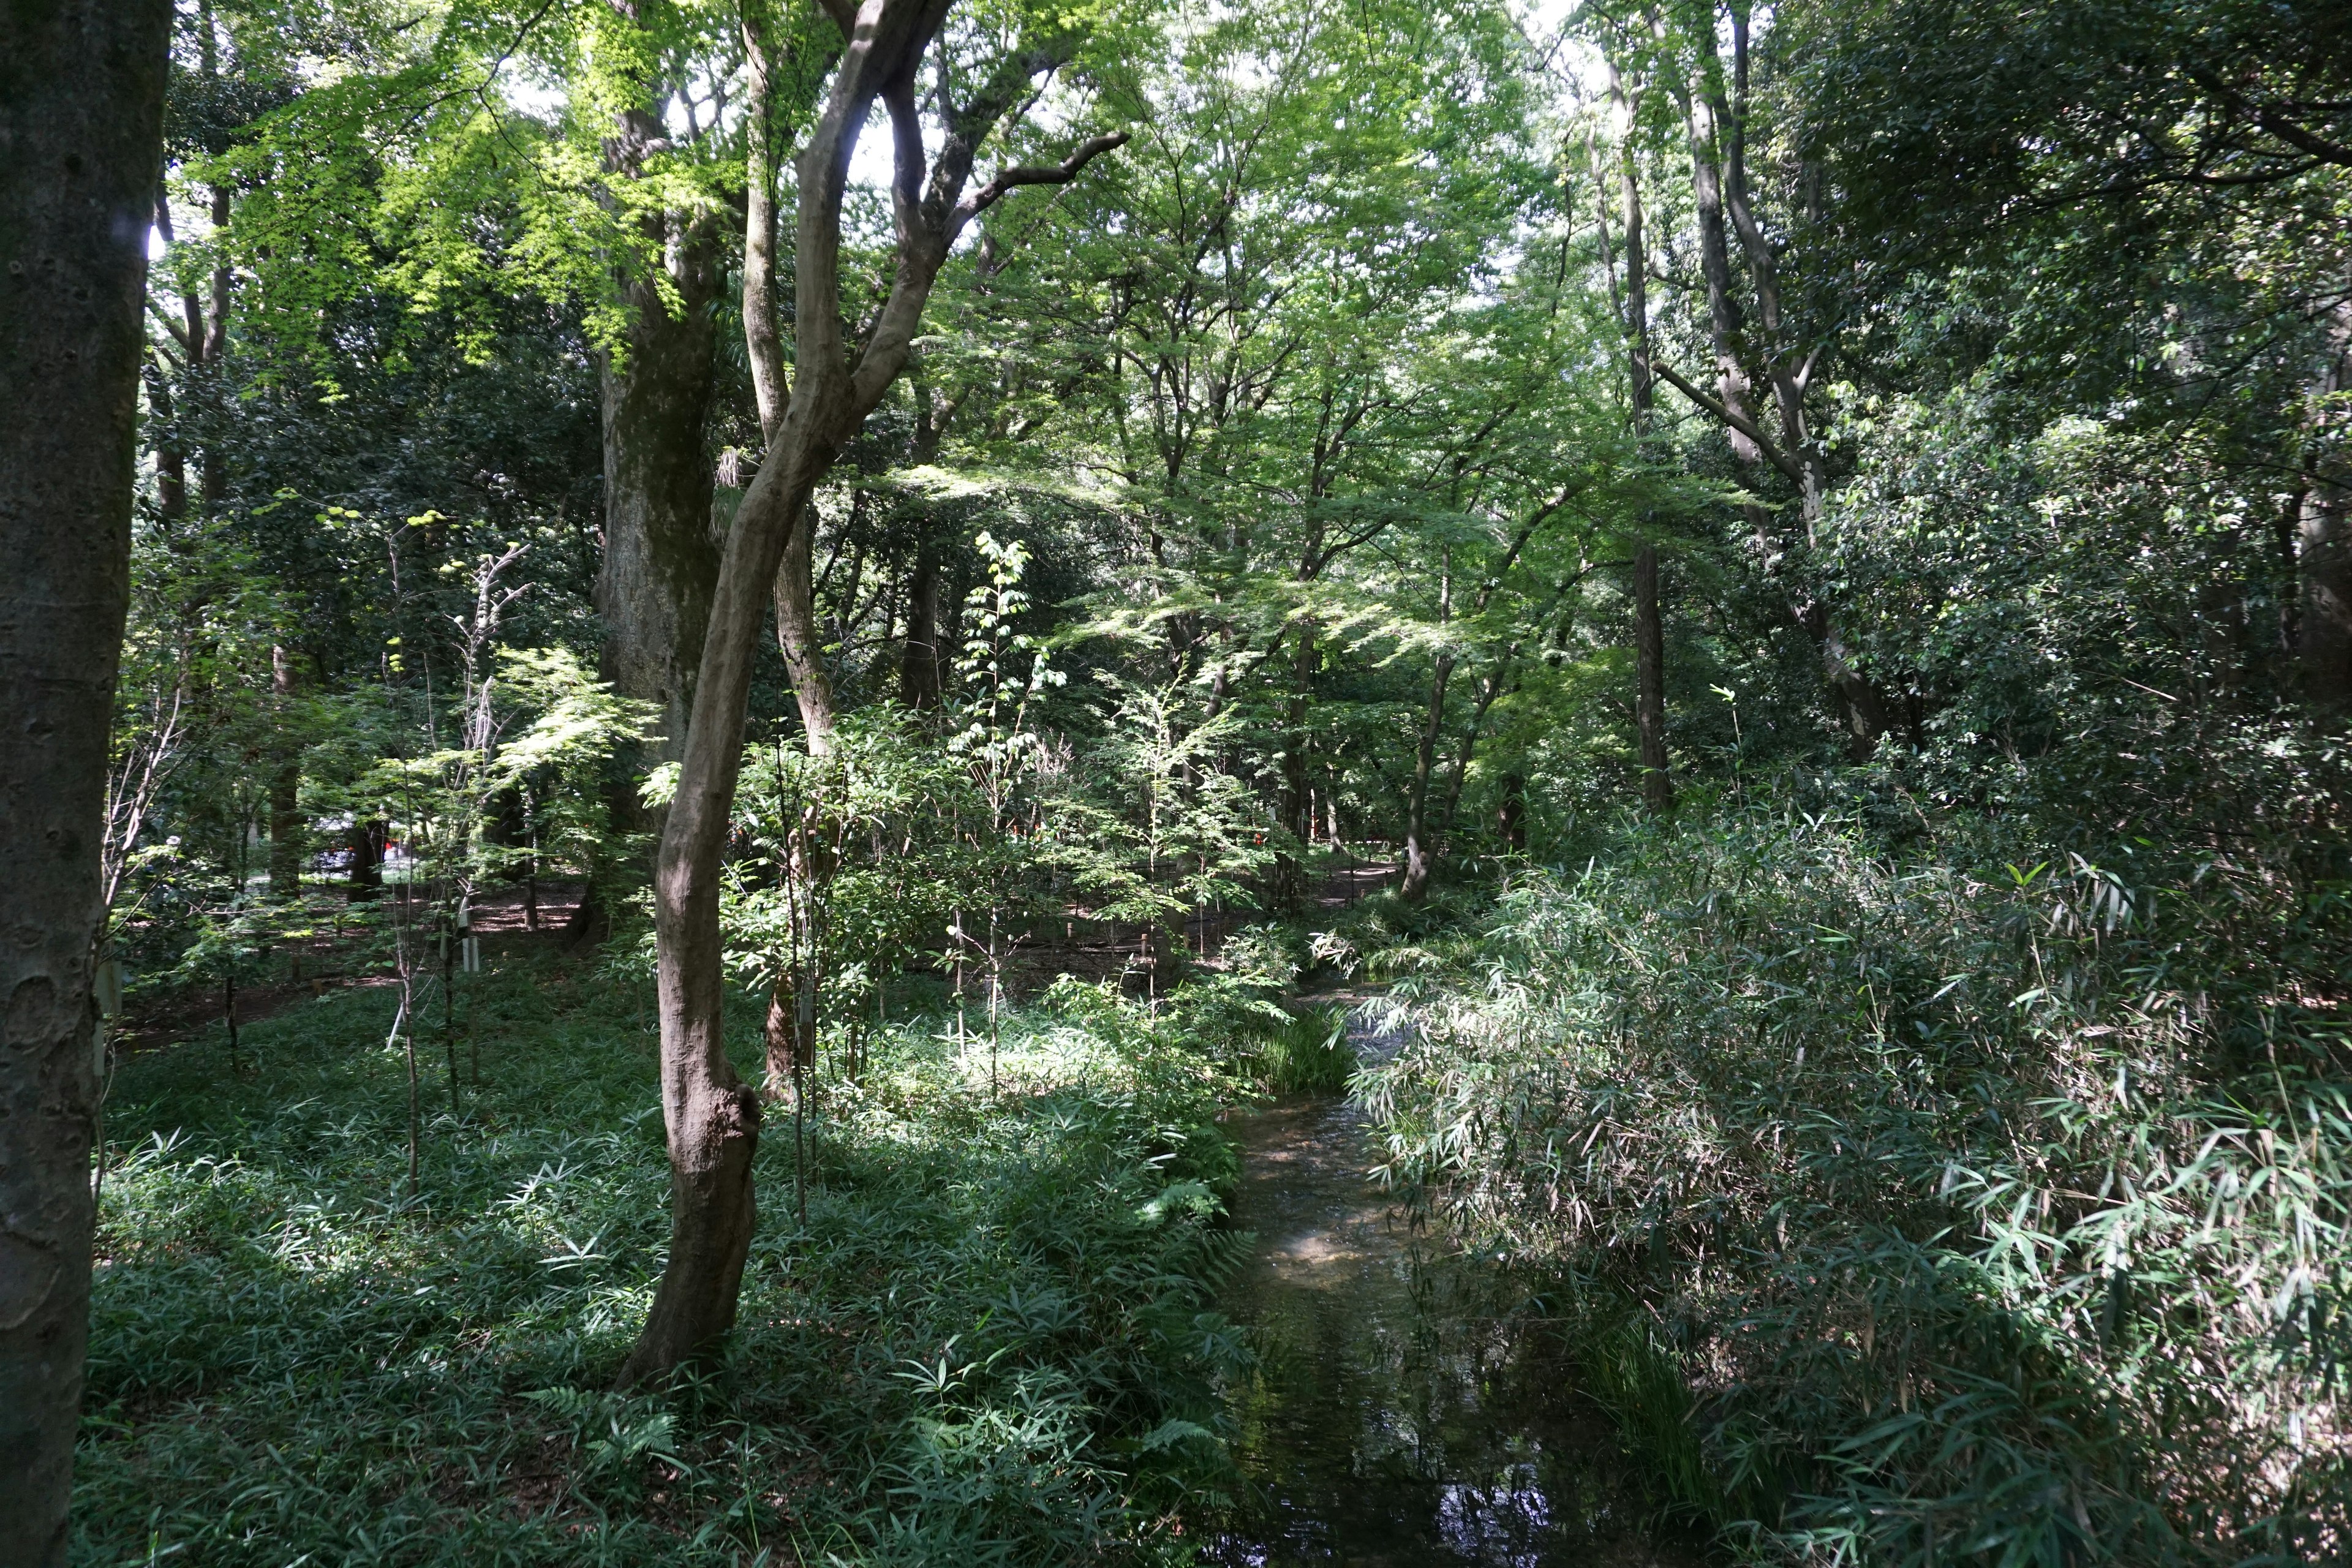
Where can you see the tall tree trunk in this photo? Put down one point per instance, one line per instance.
(1859, 705)
(287, 835)
(1296, 800)
(711, 1115)
(797, 633)
(1649, 629)
(919, 661)
(1650, 681)
(660, 563)
(81, 106)
(2324, 547)
(1417, 861)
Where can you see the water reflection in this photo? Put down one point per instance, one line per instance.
(1402, 1411)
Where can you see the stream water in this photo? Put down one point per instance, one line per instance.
(1401, 1412)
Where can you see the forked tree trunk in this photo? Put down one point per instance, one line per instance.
(797, 634)
(712, 1116)
(1720, 191)
(81, 106)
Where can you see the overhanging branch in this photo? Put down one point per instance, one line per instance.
(1020, 174)
(1733, 418)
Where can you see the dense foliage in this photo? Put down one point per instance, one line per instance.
(1813, 544)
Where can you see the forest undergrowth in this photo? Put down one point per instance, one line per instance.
(1916, 1197)
(989, 1343)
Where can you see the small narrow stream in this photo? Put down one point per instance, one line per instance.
(1400, 1413)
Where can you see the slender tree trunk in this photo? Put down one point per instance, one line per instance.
(1417, 865)
(287, 835)
(1296, 803)
(1650, 681)
(1649, 629)
(1417, 859)
(797, 634)
(802, 641)
(81, 103)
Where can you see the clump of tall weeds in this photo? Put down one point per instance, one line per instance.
(1991, 1205)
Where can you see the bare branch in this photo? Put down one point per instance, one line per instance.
(1020, 174)
(1732, 419)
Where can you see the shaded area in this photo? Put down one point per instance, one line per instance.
(1400, 1411)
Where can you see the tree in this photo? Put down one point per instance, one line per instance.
(713, 1118)
(82, 107)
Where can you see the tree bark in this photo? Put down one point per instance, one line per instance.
(1417, 866)
(919, 661)
(1859, 703)
(287, 835)
(797, 634)
(1417, 859)
(660, 563)
(1290, 872)
(1649, 629)
(1650, 681)
(801, 640)
(81, 104)
(2324, 539)
(2324, 548)
(711, 1115)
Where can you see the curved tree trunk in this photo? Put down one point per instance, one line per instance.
(711, 1115)
(81, 105)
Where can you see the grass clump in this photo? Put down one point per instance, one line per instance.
(989, 1345)
(1955, 1207)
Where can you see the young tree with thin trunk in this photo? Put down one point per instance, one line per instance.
(81, 106)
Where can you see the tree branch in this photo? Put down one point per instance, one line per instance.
(1021, 174)
(2269, 118)
(1733, 420)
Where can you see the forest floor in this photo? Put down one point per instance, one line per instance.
(988, 1341)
